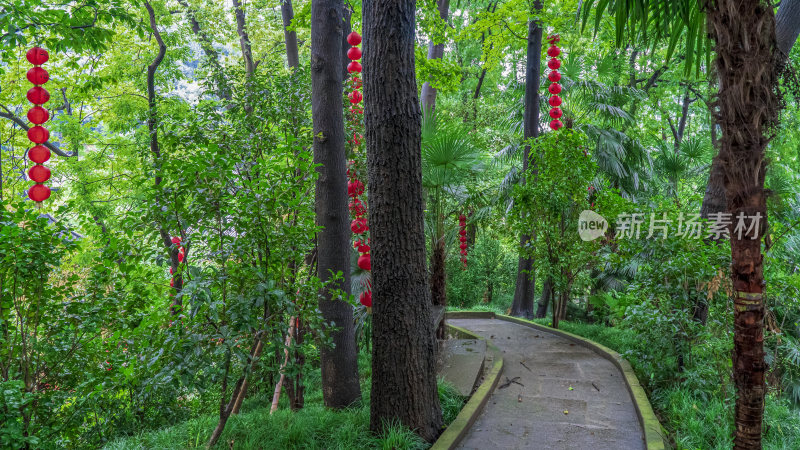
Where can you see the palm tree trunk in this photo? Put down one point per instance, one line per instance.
(744, 32)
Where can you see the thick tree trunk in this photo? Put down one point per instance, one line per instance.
(403, 367)
(744, 32)
(435, 51)
(524, 292)
(438, 281)
(244, 38)
(292, 54)
(340, 386)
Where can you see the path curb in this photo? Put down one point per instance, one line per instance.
(456, 431)
(654, 437)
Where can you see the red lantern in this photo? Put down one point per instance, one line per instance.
(554, 101)
(172, 283)
(39, 154)
(37, 75)
(353, 38)
(355, 97)
(366, 298)
(171, 270)
(553, 51)
(553, 38)
(364, 262)
(554, 76)
(38, 134)
(554, 88)
(39, 192)
(38, 115)
(37, 56)
(355, 188)
(363, 248)
(554, 64)
(358, 225)
(556, 113)
(463, 246)
(39, 173)
(354, 67)
(176, 240)
(38, 95)
(181, 257)
(354, 53)
(464, 252)
(555, 124)
(462, 232)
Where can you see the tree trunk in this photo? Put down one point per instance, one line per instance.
(244, 39)
(340, 386)
(403, 361)
(435, 51)
(547, 294)
(526, 283)
(744, 33)
(438, 281)
(292, 54)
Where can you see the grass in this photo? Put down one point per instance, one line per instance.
(313, 427)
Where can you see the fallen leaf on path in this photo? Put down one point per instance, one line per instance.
(566, 412)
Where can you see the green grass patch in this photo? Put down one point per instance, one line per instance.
(313, 427)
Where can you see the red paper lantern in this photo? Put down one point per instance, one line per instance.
(364, 262)
(553, 38)
(553, 51)
(556, 113)
(358, 225)
(366, 298)
(463, 246)
(464, 252)
(355, 97)
(354, 53)
(181, 257)
(38, 95)
(37, 75)
(38, 134)
(554, 76)
(39, 193)
(172, 283)
(554, 101)
(38, 115)
(555, 124)
(37, 56)
(171, 270)
(176, 240)
(353, 38)
(462, 232)
(39, 154)
(553, 64)
(355, 188)
(554, 88)
(39, 173)
(354, 67)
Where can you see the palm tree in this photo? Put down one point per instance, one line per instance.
(448, 157)
(748, 59)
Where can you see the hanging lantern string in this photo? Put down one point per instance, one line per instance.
(554, 77)
(37, 115)
(462, 231)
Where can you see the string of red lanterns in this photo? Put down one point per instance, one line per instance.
(38, 154)
(462, 231)
(554, 77)
(181, 257)
(355, 188)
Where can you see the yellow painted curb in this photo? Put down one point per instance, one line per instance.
(456, 431)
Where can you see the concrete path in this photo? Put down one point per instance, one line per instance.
(564, 396)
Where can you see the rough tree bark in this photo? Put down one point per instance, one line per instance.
(292, 54)
(244, 39)
(403, 367)
(746, 47)
(435, 51)
(787, 28)
(340, 387)
(522, 306)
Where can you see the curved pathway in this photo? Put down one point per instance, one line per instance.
(557, 395)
